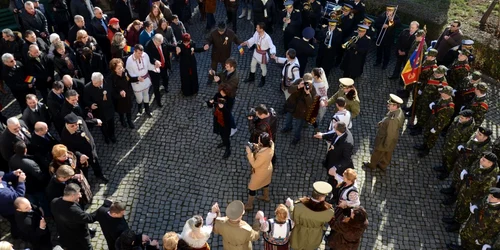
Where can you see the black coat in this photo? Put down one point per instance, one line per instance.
(36, 179)
(120, 83)
(304, 50)
(105, 108)
(41, 68)
(42, 45)
(60, 65)
(54, 104)
(111, 227)
(8, 139)
(391, 30)
(258, 12)
(123, 13)
(405, 40)
(101, 35)
(14, 78)
(81, 142)
(41, 114)
(78, 86)
(36, 23)
(341, 154)
(55, 189)
(79, 111)
(354, 58)
(72, 33)
(222, 116)
(154, 54)
(258, 126)
(83, 8)
(72, 224)
(188, 68)
(14, 47)
(29, 229)
(89, 65)
(42, 150)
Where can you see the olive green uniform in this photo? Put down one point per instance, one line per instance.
(309, 226)
(458, 71)
(430, 93)
(441, 115)
(480, 108)
(352, 105)
(472, 152)
(458, 133)
(482, 227)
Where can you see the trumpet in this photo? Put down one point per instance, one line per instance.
(348, 44)
(288, 14)
(390, 22)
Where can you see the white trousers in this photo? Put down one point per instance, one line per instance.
(142, 96)
(253, 67)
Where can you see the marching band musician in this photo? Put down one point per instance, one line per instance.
(358, 10)
(347, 23)
(292, 20)
(390, 22)
(330, 39)
(304, 48)
(355, 54)
(311, 14)
(368, 22)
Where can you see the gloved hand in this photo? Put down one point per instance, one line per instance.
(462, 108)
(472, 208)
(453, 92)
(288, 202)
(433, 130)
(431, 105)
(486, 247)
(460, 147)
(419, 92)
(463, 173)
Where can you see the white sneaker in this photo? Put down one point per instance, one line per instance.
(233, 131)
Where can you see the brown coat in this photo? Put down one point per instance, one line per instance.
(232, 81)
(236, 235)
(300, 101)
(221, 50)
(210, 6)
(310, 218)
(262, 167)
(389, 130)
(346, 235)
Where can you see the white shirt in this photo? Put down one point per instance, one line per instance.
(321, 89)
(293, 64)
(140, 68)
(341, 116)
(263, 43)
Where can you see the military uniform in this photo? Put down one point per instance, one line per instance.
(387, 136)
(351, 104)
(355, 55)
(311, 14)
(384, 49)
(371, 30)
(458, 71)
(358, 9)
(427, 69)
(347, 23)
(303, 48)
(330, 40)
(479, 105)
(291, 29)
(465, 90)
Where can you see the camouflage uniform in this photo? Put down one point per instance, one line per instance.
(475, 184)
(496, 147)
(480, 108)
(482, 226)
(464, 94)
(472, 152)
(458, 133)
(441, 115)
(428, 67)
(459, 70)
(429, 94)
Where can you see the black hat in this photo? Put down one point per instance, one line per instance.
(495, 192)
(490, 156)
(71, 118)
(221, 26)
(485, 131)
(466, 113)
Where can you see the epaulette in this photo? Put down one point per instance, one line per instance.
(351, 16)
(368, 37)
(363, 4)
(297, 37)
(296, 10)
(339, 29)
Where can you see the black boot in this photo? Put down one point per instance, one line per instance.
(262, 81)
(139, 109)
(129, 121)
(148, 111)
(424, 152)
(122, 120)
(416, 131)
(449, 190)
(227, 153)
(251, 77)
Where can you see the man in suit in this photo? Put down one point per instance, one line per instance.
(41, 68)
(73, 83)
(79, 25)
(71, 220)
(31, 39)
(77, 137)
(32, 225)
(33, 19)
(16, 131)
(14, 75)
(159, 53)
(99, 29)
(42, 142)
(35, 112)
(339, 155)
(55, 101)
(71, 105)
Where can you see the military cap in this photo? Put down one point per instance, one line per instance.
(390, 7)
(347, 7)
(495, 192)
(466, 113)
(235, 210)
(332, 21)
(467, 42)
(476, 75)
(464, 52)
(446, 90)
(368, 19)
(485, 131)
(346, 81)
(308, 33)
(322, 187)
(432, 52)
(71, 118)
(394, 99)
(490, 156)
(362, 27)
(441, 69)
(288, 3)
(481, 86)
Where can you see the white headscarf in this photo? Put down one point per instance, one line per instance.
(194, 233)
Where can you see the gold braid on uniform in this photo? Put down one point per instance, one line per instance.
(315, 206)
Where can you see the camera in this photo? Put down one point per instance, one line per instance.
(251, 112)
(307, 86)
(251, 146)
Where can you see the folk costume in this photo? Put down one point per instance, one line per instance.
(264, 43)
(289, 73)
(316, 112)
(139, 68)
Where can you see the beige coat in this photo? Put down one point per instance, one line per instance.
(388, 131)
(309, 224)
(262, 167)
(235, 235)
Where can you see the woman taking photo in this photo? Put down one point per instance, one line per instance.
(260, 156)
(222, 119)
(187, 63)
(123, 92)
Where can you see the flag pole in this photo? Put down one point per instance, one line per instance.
(415, 86)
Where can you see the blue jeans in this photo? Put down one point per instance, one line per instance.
(297, 126)
(246, 4)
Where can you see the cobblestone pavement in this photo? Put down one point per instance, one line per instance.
(168, 168)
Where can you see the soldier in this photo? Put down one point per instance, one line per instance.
(453, 53)
(428, 94)
(349, 93)
(459, 132)
(441, 115)
(304, 48)
(467, 154)
(292, 21)
(474, 184)
(310, 215)
(355, 53)
(459, 69)
(496, 147)
(465, 90)
(330, 39)
(481, 230)
(311, 14)
(387, 135)
(478, 103)
(390, 22)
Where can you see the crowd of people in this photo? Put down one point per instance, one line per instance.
(87, 71)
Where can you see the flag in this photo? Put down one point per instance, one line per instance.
(67, 43)
(411, 71)
(29, 79)
(241, 50)
(128, 49)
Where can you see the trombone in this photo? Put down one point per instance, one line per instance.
(348, 44)
(381, 35)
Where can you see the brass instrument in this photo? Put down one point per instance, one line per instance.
(382, 32)
(336, 14)
(348, 44)
(285, 24)
(307, 6)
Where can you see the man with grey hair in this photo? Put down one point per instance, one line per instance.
(98, 98)
(33, 19)
(12, 43)
(41, 68)
(16, 131)
(405, 40)
(79, 25)
(159, 54)
(14, 75)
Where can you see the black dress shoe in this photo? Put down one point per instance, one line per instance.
(295, 141)
(227, 154)
(419, 146)
(113, 139)
(449, 220)
(103, 178)
(448, 201)
(453, 246)
(159, 104)
(220, 145)
(92, 232)
(440, 168)
(453, 228)
(448, 190)
(443, 176)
